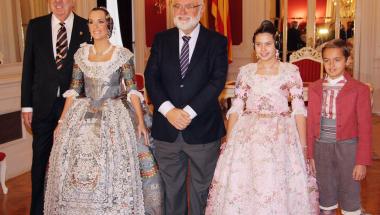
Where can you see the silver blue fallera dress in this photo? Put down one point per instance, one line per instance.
(97, 165)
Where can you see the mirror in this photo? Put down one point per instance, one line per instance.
(296, 25)
(333, 19)
(337, 22)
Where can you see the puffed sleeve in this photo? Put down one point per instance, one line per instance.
(77, 83)
(128, 74)
(241, 91)
(296, 94)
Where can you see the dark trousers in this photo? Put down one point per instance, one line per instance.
(43, 131)
(334, 162)
(174, 159)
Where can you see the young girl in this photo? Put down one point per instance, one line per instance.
(262, 168)
(339, 132)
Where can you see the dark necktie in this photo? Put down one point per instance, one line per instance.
(61, 46)
(184, 58)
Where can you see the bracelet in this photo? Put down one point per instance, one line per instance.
(60, 121)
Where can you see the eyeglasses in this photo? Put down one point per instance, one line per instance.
(186, 7)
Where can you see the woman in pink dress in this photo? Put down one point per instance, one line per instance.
(262, 168)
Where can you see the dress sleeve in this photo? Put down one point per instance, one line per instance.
(239, 101)
(296, 94)
(77, 83)
(128, 74)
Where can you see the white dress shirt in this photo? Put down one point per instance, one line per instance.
(55, 26)
(331, 89)
(54, 32)
(167, 105)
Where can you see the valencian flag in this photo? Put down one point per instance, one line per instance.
(220, 10)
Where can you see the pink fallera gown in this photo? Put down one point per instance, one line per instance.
(262, 169)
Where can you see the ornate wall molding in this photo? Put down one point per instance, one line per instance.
(306, 53)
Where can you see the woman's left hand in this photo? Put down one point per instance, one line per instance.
(143, 131)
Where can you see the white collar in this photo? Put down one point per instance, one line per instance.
(193, 34)
(55, 21)
(335, 80)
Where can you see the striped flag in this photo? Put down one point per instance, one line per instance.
(220, 11)
(204, 19)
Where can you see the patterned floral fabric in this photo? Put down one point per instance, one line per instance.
(262, 168)
(98, 166)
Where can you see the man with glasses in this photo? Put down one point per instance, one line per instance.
(185, 74)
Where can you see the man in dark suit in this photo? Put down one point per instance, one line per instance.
(185, 74)
(51, 42)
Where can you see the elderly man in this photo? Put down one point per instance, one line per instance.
(185, 74)
(51, 42)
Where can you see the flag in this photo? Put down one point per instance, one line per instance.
(220, 11)
(204, 19)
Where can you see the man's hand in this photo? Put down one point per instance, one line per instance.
(27, 118)
(179, 118)
(359, 172)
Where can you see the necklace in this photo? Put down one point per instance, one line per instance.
(103, 52)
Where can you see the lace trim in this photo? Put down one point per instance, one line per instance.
(128, 193)
(137, 93)
(247, 73)
(236, 108)
(250, 69)
(300, 112)
(92, 69)
(70, 93)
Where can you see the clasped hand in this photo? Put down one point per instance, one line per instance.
(179, 118)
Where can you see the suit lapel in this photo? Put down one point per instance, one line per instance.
(75, 34)
(200, 45)
(174, 45)
(48, 37)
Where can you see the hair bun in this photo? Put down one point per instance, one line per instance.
(268, 26)
(267, 23)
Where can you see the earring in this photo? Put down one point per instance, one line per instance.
(257, 56)
(277, 54)
(90, 38)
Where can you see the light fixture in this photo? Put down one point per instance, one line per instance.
(323, 31)
(347, 8)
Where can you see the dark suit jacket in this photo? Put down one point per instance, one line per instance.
(40, 77)
(199, 89)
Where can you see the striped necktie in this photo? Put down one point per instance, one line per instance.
(61, 46)
(184, 58)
